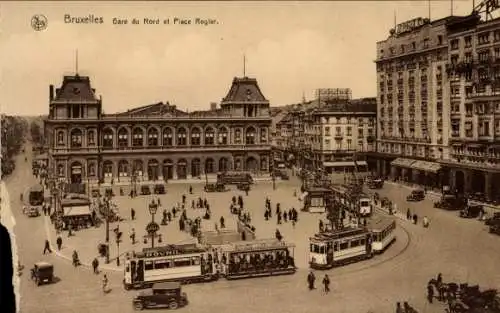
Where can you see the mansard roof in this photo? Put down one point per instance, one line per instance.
(156, 109)
(76, 89)
(244, 89)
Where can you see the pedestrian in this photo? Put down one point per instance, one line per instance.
(70, 227)
(279, 218)
(132, 236)
(95, 265)
(285, 216)
(47, 247)
(399, 309)
(222, 225)
(451, 304)
(415, 219)
(408, 214)
(326, 283)
(191, 190)
(174, 212)
(430, 293)
(425, 222)
(105, 283)
(59, 243)
(132, 214)
(311, 278)
(439, 279)
(321, 226)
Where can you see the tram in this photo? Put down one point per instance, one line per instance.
(258, 258)
(185, 263)
(383, 233)
(362, 205)
(339, 247)
(36, 195)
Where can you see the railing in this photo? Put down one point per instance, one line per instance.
(162, 148)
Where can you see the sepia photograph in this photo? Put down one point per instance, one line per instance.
(250, 156)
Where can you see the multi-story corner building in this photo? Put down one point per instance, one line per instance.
(155, 142)
(474, 71)
(412, 101)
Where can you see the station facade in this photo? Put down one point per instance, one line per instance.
(155, 142)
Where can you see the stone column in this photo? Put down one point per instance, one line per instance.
(379, 166)
(404, 173)
(174, 171)
(394, 171)
(467, 181)
(414, 177)
(384, 168)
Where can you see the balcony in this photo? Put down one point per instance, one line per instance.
(338, 136)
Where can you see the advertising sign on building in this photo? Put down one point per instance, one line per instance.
(410, 25)
(328, 94)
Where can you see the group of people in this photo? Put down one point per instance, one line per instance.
(285, 215)
(414, 218)
(311, 280)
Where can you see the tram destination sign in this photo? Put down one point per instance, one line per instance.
(260, 246)
(159, 252)
(410, 25)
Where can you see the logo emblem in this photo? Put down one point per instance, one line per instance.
(39, 22)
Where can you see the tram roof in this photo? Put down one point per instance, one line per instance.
(338, 234)
(380, 223)
(170, 250)
(257, 245)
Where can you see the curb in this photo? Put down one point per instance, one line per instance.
(70, 259)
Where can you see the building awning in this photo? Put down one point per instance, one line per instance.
(338, 164)
(77, 210)
(361, 163)
(426, 166)
(403, 162)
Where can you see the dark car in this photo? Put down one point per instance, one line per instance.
(42, 272)
(416, 195)
(109, 192)
(471, 211)
(495, 229)
(376, 183)
(494, 219)
(167, 295)
(451, 202)
(215, 187)
(159, 189)
(145, 190)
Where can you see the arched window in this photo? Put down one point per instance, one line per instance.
(168, 139)
(91, 137)
(250, 136)
(91, 170)
(223, 165)
(60, 138)
(223, 136)
(209, 166)
(122, 138)
(107, 138)
(76, 138)
(181, 137)
(123, 168)
(195, 136)
(263, 164)
(137, 137)
(107, 168)
(209, 136)
(152, 137)
(263, 135)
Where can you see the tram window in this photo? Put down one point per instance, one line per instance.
(344, 245)
(361, 242)
(182, 262)
(148, 265)
(127, 268)
(336, 246)
(315, 248)
(160, 264)
(196, 261)
(354, 243)
(375, 237)
(322, 249)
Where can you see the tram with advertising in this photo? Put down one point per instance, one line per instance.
(383, 233)
(361, 204)
(339, 247)
(185, 263)
(257, 258)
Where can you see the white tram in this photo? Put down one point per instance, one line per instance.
(339, 247)
(183, 263)
(362, 206)
(383, 233)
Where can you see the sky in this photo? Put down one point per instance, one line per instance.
(291, 48)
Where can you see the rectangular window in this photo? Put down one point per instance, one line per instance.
(148, 265)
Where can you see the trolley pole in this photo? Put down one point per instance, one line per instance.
(106, 219)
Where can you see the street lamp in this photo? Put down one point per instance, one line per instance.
(106, 219)
(152, 227)
(118, 240)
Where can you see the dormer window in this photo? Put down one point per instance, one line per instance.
(76, 90)
(249, 94)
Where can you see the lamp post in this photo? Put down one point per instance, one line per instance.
(106, 219)
(118, 240)
(152, 227)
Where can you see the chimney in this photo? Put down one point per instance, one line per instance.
(213, 106)
(51, 92)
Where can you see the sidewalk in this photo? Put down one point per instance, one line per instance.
(437, 195)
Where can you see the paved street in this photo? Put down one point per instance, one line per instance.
(461, 249)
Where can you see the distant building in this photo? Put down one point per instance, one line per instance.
(155, 142)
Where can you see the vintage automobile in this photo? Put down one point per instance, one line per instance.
(376, 183)
(492, 220)
(283, 175)
(471, 211)
(33, 212)
(42, 272)
(145, 190)
(416, 195)
(167, 295)
(159, 189)
(495, 229)
(450, 202)
(218, 187)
